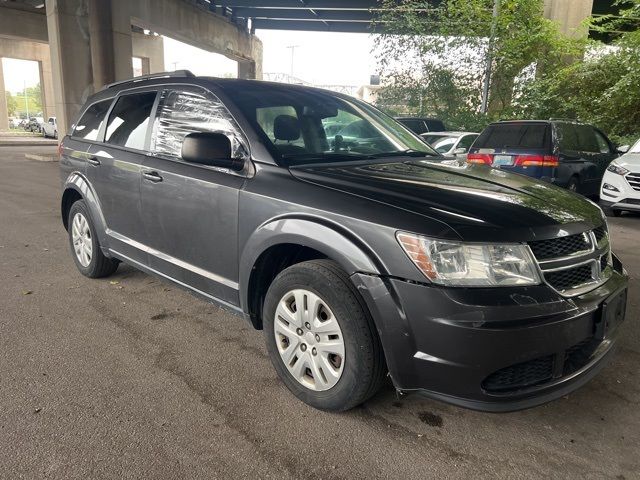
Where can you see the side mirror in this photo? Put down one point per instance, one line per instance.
(208, 148)
(460, 151)
(623, 149)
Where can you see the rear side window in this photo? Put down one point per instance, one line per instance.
(129, 120)
(89, 124)
(187, 111)
(580, 138)
(416, 126)
(514, 135)
(434, 125)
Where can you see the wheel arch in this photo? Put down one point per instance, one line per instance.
(77, 187)
(283, 242)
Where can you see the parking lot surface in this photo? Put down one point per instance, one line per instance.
(131, 377)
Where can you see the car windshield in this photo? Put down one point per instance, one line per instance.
(635, 148)
(314, 126)
(443, 144)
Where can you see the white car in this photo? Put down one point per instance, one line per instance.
(50, 129)
(620, 188)
(451, 144)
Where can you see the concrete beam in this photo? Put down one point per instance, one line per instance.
(192, 25)
(23, 25)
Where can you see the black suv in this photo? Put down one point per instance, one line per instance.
(568, 154)
(357, 258)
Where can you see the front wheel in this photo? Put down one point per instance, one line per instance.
(321, 338)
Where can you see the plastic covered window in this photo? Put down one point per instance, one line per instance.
(183, 112)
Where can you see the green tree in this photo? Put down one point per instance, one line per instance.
(435, 56)
(12, 104)
(603, 89)
(31, 96)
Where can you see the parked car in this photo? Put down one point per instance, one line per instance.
(422, 125)
(451, 144)
(620, 189)
(15, 122)
(35, 124)
(475, 286)
(568, 154)
(50, 129)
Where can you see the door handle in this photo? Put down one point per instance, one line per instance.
(93, 160)
(152, 176)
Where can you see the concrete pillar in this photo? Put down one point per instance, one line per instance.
(569, 15)
(150, 48)
(122, 38)
(247, 70)
(69, 43)
(46, 86)
(102, 55)
(4, 112)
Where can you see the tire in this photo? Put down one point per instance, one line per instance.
(574, 184)
(343, 382)
(92, 263)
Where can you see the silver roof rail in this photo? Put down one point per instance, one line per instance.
(177, 73)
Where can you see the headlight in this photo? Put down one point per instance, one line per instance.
(615, 168)
(469, 264)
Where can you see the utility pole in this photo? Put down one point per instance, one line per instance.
(26, 102)
(293, 49)
(487, 72)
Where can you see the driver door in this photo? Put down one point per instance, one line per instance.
(190, 211)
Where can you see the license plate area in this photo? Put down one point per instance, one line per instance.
(502, 160)
(611, 315)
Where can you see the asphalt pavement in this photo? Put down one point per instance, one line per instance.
(131, 377)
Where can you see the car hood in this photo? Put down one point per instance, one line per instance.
(476, 201)
(630, 161)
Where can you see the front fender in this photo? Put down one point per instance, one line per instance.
(345, 249)
(78, 182)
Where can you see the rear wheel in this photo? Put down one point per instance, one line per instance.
(85, 248)
(321, 338)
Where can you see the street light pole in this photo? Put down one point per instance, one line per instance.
(26, 103)
(487, 72)
(293, 48)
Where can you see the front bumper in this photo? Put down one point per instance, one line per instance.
(625, 198)
(498, 349)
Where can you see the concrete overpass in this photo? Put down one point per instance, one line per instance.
(82, 45)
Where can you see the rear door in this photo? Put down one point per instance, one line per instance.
(520, 147)
(584, 155)
(190, 211)
(115, 167)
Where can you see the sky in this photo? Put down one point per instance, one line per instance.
(320, 58)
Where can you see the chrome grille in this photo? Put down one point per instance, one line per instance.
(561, 247)
(570, 277)
(574, 264)
(633, 179)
